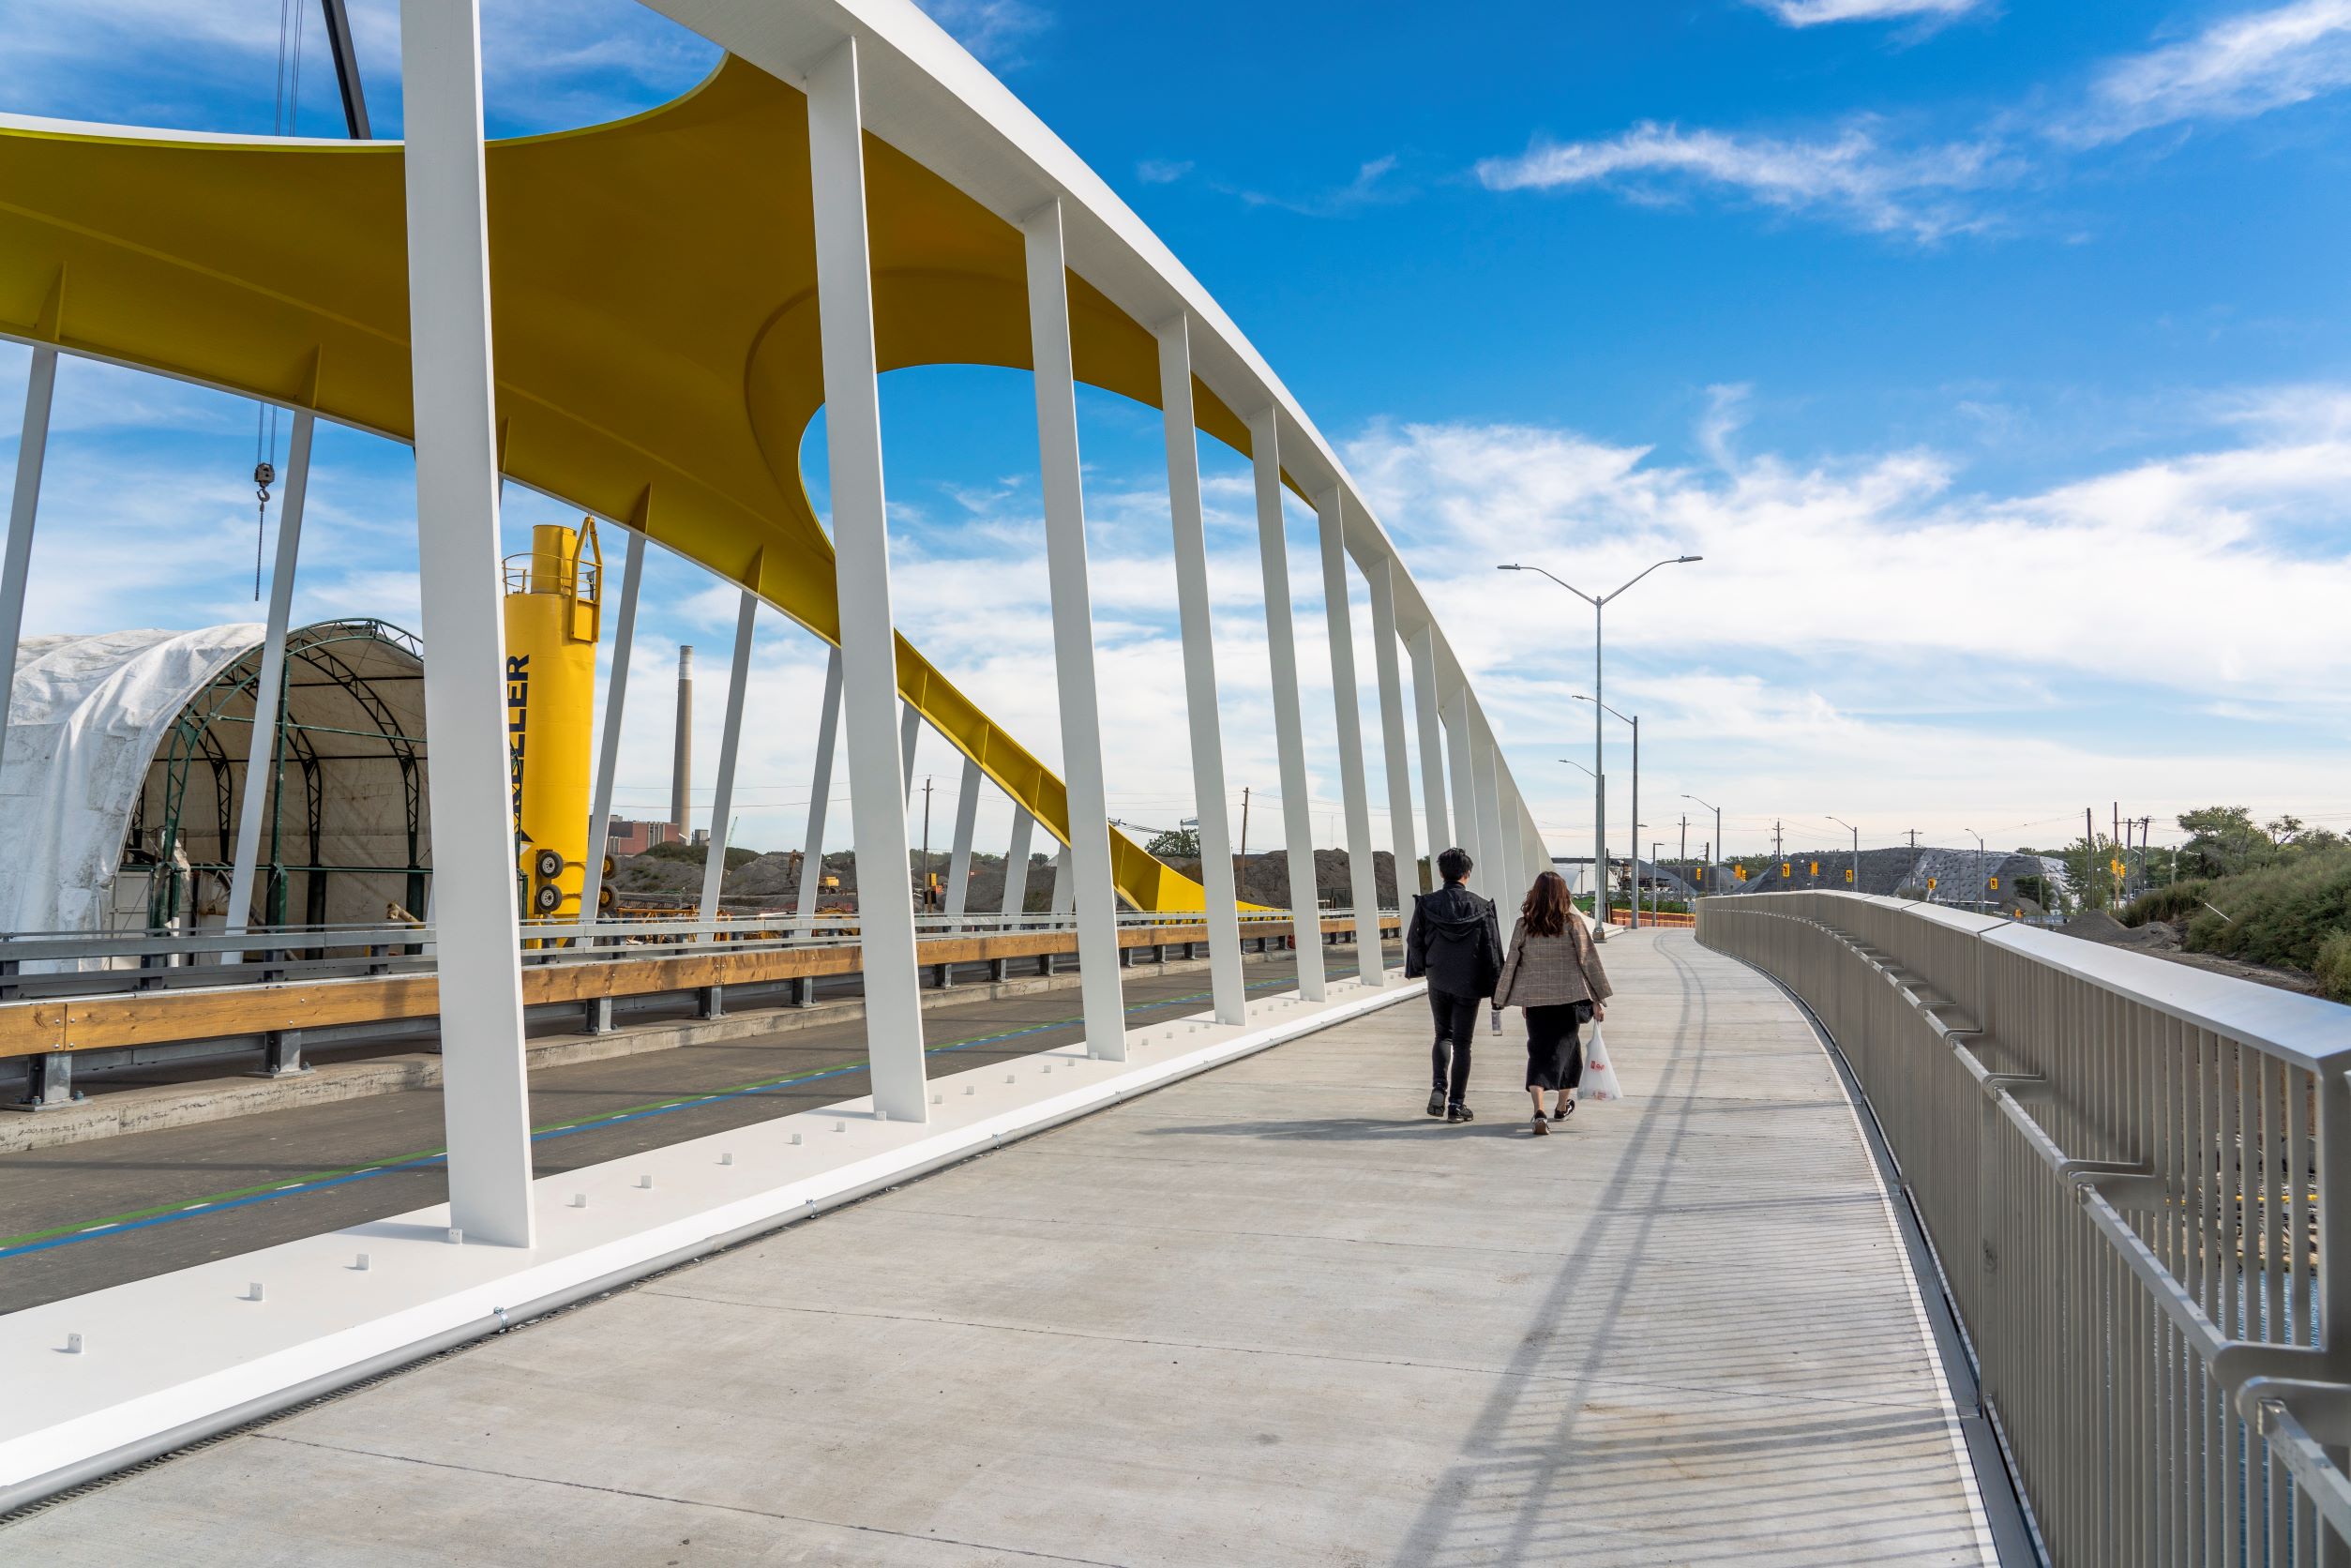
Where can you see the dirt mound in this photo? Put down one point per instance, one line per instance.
(768, 877)
(645, 873)
(2155, 936)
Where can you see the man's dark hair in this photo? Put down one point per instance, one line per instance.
(1454, 865)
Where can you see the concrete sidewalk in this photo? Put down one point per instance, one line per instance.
(1270, 1314)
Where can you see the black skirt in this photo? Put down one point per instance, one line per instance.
(1555, 1057)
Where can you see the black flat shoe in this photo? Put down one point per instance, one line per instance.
(1436, 1102)
(1563, 1112)
(1459, 1113)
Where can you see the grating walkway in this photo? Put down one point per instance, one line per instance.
(1267, 1316)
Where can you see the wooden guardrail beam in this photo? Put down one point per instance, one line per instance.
(36, 1028)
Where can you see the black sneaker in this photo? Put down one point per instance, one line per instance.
(1542, 1126)
(1436, 1102)
(1459, 1112)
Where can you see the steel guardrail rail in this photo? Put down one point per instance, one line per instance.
(288, 994)
(2136, 1177)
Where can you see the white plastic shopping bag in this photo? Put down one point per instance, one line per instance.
(1600, 1071)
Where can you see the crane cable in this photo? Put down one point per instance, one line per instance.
(291, 17)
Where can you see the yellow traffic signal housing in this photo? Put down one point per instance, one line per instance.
(1930, 884)
(1785, 870)
(1816, 868)
(1996, 884)
(1848, 873)
(1739, 871)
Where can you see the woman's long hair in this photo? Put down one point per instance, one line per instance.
(1546, 909)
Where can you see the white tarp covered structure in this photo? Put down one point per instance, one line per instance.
(148, 731)
(84, 720)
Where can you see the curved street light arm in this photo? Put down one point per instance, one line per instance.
(1561, 580)
(1669, 561)
(1580, 696)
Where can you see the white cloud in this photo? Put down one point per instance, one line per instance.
(2243, 65)
(992, 30)
(548, 64)
(2237, 68)
(1868, 632)
(1370, 185)
(1853, 175)
(1813, 13)
(1162, 171)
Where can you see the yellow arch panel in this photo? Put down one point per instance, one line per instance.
(654, 288)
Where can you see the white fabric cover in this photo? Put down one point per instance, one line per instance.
(89, 733)
(86, 717)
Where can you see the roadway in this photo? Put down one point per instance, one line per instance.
(1270, 1314)
(86, 1215)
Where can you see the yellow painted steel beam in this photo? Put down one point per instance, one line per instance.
(654, 285)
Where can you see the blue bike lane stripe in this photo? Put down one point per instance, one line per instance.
(325, 1184)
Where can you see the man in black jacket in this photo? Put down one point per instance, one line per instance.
(1456, 939)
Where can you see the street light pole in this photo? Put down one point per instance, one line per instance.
(1717, 846)
(1981, 889)
(1855, 878)
(1599, 760)
(1600, 914)
(1634, 720)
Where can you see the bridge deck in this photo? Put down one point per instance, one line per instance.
(1268, 1315)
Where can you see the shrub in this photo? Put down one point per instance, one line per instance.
(2281, 913)
(2333, 968)
(2174, 902)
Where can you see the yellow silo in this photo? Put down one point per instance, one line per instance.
(553, 598)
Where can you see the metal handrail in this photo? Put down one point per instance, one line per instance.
(2141, 1223)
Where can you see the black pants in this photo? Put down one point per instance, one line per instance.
(1457, 1027)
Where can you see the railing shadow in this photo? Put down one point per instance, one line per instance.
(1552, 1468)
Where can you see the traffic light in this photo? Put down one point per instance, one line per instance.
(1739, 871)
(1996, 884)
(1848, 873)
(1816, 868)
(1785, 870)
(1930, 884)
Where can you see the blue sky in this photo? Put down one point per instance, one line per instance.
(1993, 355)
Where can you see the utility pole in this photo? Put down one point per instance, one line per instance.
(1685, 845)
(926, 842)
(1240, 873)
(2090, 857)
(1776, 850)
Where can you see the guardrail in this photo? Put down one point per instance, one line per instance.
(2137, 1178)
(278, 994)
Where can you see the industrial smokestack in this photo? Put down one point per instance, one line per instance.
(682, 755)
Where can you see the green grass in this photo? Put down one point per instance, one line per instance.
(2174, 902)
(2295, 914)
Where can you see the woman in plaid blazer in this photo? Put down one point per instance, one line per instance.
(1554, 973)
